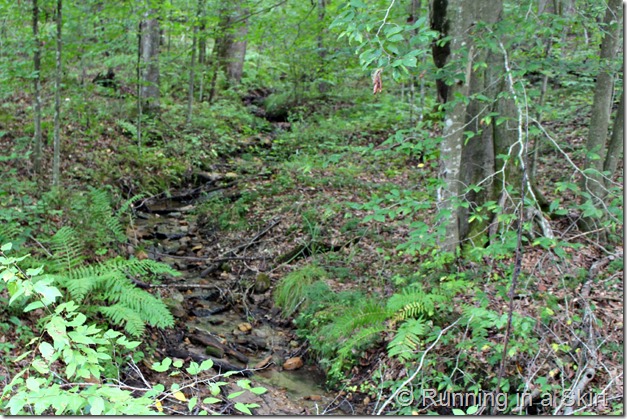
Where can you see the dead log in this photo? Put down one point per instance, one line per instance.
(219, 365)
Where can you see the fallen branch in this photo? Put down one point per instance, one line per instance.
(578, 389)
(218, 364)
(144, 285)
(411, 377)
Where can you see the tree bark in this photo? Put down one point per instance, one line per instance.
(615, 147)
(56, 159)
(593, 181)
(192, 64)
(472, 168)
(149, 51)
(37, 89)
(458, 20)
(230, 48)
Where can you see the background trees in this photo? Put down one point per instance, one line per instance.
(414, 167)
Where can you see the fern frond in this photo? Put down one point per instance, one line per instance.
(121, 315)
(9, 231)
(150, 309)
(413, 302)
(368, 314)
(139, 268)
(127, 204)
(407, 339)
(360, 340)
(67, 251)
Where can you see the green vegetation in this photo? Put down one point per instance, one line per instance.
(430, 192)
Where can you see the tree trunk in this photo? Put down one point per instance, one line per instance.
(472, 171)
(37, 89)
(56, 160)
(451, 15)
(593, 181)
(190, 90)
(202, 47)
(149, 51)
(323, 86)
(615, 148)
(230, 48)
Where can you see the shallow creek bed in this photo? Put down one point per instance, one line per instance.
(229, 320)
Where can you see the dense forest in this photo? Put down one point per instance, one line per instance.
(311, 207)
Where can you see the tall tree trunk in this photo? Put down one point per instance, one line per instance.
(192, 64)
(449, 15)
(616, 145)
(593, 182)
(323, 86)
(202, 47)
(472, 172)
(230, 48)
(149, 51)
(414, 15)
(56, 160)
(37, 88)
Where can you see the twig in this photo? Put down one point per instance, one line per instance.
(274, 222)
(411, 378)
(210, 261)
(41, 245)
(518, 256)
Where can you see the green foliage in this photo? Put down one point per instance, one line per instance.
(408, 339)
(215, 387)
(84, 352)
(107, 287)
(291, 291)
(220, 213)
(340, 326)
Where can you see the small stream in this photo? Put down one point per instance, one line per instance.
(246, 324)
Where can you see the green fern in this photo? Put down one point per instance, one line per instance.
(67, 250)
(123, 316)
(407, 339)
(105, 285)
(413, 302)
(368, 313)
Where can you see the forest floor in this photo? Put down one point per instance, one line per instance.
(269, 207)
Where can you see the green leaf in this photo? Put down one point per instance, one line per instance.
(396, 38)
(472, 410)
(47, 292)
(162, 366)
(33, 306)
(245, 408)
(206, 365)
(40, 366)
(235, 394)
(192, 403)
(32, 384)
(409, 61)
(46, 350)
(193, 368)
(211, 400)
(34, 272)
(258, 390)
(5, 248)
(393, 30)
(97, 405)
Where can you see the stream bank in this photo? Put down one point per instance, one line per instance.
(223, 302)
